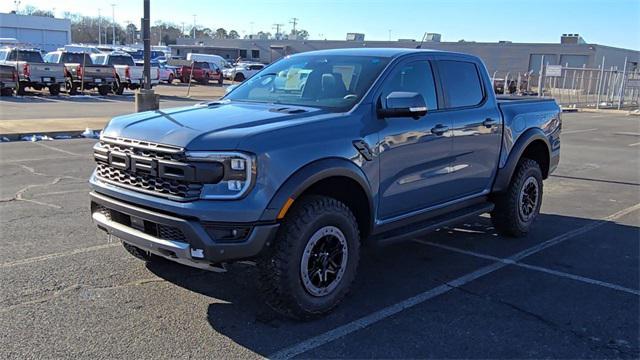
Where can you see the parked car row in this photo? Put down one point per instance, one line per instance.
(111, 72)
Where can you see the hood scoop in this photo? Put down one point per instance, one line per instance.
(288, 110)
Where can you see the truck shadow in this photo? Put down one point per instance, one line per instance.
(386, 276)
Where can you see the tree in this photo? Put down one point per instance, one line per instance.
(220, 33)
(33, 11)
(233, 35)
(131, 31)
(299, 34)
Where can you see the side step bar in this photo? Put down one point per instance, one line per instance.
(420, 228)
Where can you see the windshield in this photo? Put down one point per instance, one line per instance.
(76, 58)
(121, 60)
(335, 82)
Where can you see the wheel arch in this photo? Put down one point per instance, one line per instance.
(532, 144)
(334, 177)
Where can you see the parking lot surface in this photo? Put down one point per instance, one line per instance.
(570, 289)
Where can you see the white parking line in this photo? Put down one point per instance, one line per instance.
(533, 267)
(577, 131)
(58, 255)
(361, 323)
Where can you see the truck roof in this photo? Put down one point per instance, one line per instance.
(380, 52)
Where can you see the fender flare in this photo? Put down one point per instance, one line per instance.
(309, 175)
(504, 174)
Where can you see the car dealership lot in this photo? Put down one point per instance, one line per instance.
(569, 289)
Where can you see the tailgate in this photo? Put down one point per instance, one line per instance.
(46, 70)
(98, 71)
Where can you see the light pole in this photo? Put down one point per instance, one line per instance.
(113, 25)
(17, 3)
(99, 28)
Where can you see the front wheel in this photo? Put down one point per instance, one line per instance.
(518, 207)
(170, 80)
(313, 261)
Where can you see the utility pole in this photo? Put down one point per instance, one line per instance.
(194, 26)
(277, 27)
(294, 22)
(182, 35)
(99, 28)
(146, 99)
(113, 25)
(17, 3)
(389, 34)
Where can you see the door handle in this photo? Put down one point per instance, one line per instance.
(489, 123)
(439, 129)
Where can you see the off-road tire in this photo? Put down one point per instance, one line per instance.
(280, 265)
(139, 253)
(506, 216)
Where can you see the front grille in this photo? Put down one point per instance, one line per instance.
(147, 183)
(147, 167)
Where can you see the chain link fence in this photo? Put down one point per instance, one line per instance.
(579, 87)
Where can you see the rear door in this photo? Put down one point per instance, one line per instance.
(414, 153)
(476, 124)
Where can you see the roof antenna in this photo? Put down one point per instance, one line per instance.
(421, 41)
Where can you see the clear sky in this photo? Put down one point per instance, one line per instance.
(605, 22)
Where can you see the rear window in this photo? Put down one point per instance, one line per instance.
(461, 83)
(28, 56)
(121, 60)
(76, 58)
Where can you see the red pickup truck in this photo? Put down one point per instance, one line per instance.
(202, 73)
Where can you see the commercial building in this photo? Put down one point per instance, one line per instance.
(36, 31)
(503, 56)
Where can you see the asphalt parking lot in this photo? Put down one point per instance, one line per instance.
(571, 289)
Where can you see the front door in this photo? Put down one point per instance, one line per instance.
(414, 153)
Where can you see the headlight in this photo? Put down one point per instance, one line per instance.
(239, 174)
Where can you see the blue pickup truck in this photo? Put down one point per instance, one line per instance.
(318, 155)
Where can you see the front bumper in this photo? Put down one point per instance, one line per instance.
(185, 241)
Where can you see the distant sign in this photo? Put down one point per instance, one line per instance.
(554, 70)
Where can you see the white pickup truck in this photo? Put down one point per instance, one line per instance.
(33, 72)
(128, 74)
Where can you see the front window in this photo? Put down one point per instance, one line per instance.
(334, 82)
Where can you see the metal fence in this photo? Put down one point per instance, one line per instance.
(600, 87)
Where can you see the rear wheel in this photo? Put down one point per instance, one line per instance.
(517, 208)
(205, 80)
(71, 87)
(170, 80)
(22, 88)
(313, 261)
(6, 92)
(54, 89)
(104, 90)
(220, 80)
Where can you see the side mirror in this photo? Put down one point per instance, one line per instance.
(403, 104)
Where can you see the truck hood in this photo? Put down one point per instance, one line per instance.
(218, 126)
